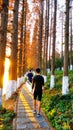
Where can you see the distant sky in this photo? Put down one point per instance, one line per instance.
(34, 16)
(61, 2)
(30, 4)
(61, 8)
(60, 12)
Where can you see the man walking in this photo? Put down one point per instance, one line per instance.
(37, 87)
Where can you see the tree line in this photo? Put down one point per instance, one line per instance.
(19, 23)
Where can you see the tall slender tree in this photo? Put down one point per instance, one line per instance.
(71, 38)
(47, 33)
(13, 58)
(3, 36)
(24, 38)
(52, 83)
(40, 33)
(65, 84)
(21, 42)
(46, 37)
(50, 35)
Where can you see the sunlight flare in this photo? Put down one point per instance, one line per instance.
(6, 73)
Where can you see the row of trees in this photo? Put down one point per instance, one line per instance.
(11, 36)
(28, 33)
(67, 39)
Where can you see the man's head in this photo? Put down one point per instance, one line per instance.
(30, 70)
(38, 70)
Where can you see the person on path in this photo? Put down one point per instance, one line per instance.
(37, 88)
(30, 75)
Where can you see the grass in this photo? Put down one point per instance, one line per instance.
(7, 112)
(6, 118)
(58, 107)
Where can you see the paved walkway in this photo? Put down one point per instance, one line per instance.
(25, 119)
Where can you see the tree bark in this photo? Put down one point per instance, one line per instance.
(3, 36)
(66, 51)
(54, 39)
(13, 67)
(65, 85)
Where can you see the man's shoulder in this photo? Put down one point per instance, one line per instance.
(45, 78)
(30, 73)
(38, 76)
(42, 77)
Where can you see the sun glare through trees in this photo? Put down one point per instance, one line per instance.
(38, 34)
(6, 72)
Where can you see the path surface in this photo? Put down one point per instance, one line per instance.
(25, 119)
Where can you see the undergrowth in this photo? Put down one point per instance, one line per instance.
(58, 107)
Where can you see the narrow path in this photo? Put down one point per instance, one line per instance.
(25, 119)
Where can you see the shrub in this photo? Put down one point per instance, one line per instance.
(6, 118)
(59, 108)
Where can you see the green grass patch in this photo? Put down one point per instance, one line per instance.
(6, 118)
(58, 107)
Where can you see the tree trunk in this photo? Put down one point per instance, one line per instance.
(50, 37)
(65, 84)
(53, 46)
(46, 37)
(13, 67)
(40, 35)
(3, 34)
(71, 66)
(24, 38)
(20, 65)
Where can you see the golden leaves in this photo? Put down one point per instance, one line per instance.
(10, 8)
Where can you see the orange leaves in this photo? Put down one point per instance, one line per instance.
(10, 8)
(11, 5)
(11, 1)
(1, 5)
(0, 2)
(10, 29)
